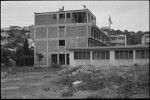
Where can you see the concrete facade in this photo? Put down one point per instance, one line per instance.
(112, 61)
(145, 39)
(55, 32)
(118, 40)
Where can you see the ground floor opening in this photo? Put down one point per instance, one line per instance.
(61, 59)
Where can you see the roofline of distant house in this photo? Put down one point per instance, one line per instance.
(110, 47)
(64, 11)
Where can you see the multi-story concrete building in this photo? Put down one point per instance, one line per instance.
(56, 32)
(118, 40)
(145, 38)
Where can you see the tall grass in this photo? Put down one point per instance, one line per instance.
(126, 80)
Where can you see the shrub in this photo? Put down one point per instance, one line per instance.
(125, 80)
(58, 66)
(67, 93)
(46, 88)
(40, 57)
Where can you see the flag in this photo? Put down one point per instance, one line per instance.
(84, 6)
(62, 8)
(110, 20)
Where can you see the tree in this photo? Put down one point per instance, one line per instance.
(26, 47)
(4, 56)
(39, 57)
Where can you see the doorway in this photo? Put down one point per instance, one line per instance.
(54, 59)
(67, 59)
(62, 59)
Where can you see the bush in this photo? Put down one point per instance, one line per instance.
(93, 80)
(56, 66)
(125, 80)
(67, 92)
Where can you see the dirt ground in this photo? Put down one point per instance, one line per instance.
(29, 85)
(38, 85)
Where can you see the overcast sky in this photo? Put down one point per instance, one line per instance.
(130, 15)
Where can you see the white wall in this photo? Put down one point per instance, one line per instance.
(107, 62)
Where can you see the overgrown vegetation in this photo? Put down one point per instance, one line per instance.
(39, 57)
(125, 81)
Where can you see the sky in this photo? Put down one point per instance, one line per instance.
(130, 15)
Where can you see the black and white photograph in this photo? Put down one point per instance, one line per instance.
(75, 49)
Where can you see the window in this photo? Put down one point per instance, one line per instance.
(138, 54)
(107, 54)
(54, 16)
(103, 54)
(123, 54)
(113, 38)
(147, 39)
(116, 54)
(142, 54)
(61, 16)
(121, 38)
(61, 42)
(61, 26)
(92, 18)
(100, 55)
(81, 55)
(147, 54)
(68, 15)
(79, 17)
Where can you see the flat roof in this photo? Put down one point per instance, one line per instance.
(64, 11)
(111, 47)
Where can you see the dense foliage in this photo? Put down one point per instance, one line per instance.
(17, 45)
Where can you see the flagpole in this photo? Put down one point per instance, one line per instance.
(110, 22)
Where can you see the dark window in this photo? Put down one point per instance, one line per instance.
(130, 54)
(61, 42)
(138, 54)
(61, 26)
(67, 59)
(68, 15)
(142, 54)
(147, 54)
(124, 54)
(79, 17)
(82, 55)
(61, 16)
(54, 16)
(116, 54)
(101, 54)
(107, 54)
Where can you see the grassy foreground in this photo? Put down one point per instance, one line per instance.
(96, 82)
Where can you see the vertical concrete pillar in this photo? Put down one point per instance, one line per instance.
(58, 42)
(35, 46)
(91, 61)
(71, 58)
(47, 47)
(57, 18)
(134, 56)
(112, 57)
(87, 16)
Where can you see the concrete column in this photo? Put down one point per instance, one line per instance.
(47, 46)
(35, 46)
(91, 61)
(87, 17)
(134, 56)
(112, 57)
(57, 17)
(71, 58)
